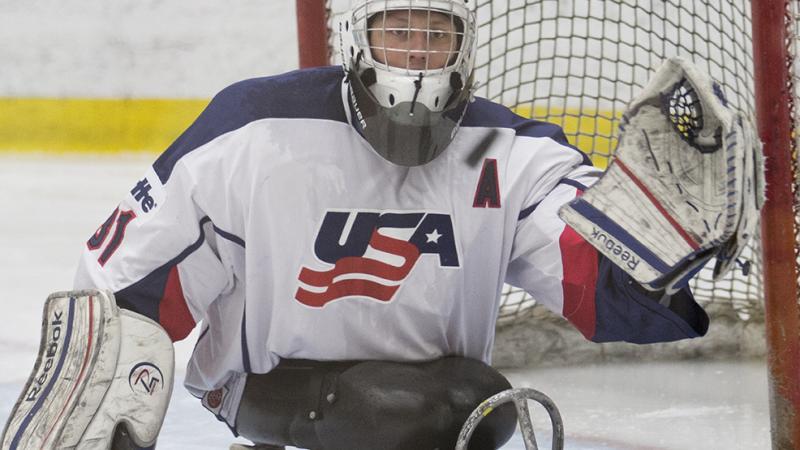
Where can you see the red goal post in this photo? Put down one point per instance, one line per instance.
(539, 56)
(775, 45)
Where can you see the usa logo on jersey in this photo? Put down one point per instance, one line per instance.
(369, 254)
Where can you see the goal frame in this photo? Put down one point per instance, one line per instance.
(773, 41)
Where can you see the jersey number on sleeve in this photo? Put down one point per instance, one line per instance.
(119, 218)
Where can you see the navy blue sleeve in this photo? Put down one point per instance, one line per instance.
(627, 312)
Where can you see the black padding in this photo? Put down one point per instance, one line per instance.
(277, 407)
(374, 405)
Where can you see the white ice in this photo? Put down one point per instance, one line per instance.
(50, 205)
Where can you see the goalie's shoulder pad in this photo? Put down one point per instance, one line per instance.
(98, 367)
(677, 188)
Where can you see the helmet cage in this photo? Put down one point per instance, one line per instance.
(368, 14)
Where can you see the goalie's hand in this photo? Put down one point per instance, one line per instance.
(685, 184)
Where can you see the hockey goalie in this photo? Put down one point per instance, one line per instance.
(342, 237)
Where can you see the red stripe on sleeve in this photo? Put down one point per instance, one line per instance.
(579, 260)
(173, 313)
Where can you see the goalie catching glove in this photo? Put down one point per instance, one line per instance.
(686, 183)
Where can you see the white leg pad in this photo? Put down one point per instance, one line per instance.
(98, 367)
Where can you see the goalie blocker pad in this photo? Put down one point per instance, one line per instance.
(101, 372)
(685, 184)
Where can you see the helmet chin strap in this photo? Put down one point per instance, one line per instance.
(417, 87)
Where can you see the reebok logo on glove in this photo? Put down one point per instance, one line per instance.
(52, 351)
(616, 251)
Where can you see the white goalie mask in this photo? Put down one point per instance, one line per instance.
(410, 68)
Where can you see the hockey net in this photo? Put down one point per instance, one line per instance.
(578, 63)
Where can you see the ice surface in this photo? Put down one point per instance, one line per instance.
(51, 204)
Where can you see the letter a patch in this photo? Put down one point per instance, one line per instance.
(487, 194)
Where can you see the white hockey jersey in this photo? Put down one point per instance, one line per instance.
(273, 222)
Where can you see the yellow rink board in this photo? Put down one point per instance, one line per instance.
(593, 131)
(125, 125)
(94, 125)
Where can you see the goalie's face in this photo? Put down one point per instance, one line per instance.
(414, 39)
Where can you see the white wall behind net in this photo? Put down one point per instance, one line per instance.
(141, 48)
